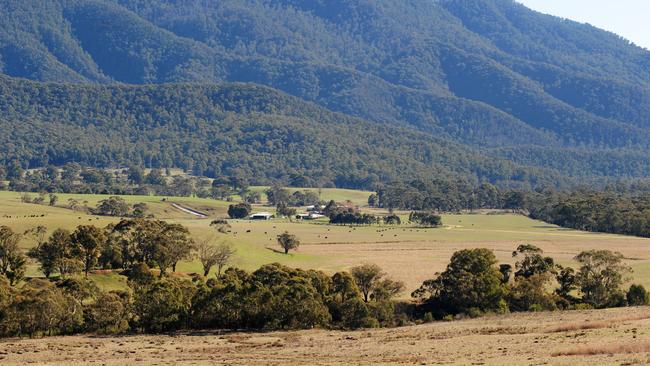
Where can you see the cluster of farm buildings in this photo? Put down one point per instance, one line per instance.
(313, 212)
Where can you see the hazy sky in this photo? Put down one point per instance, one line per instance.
(628, 18)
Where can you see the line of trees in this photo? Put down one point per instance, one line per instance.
(111, 206)
(275, 296)
(618, 209)
(73, 178)
(272, 297)
(65, 254)
(347, 215)
(473, 284)
(427, 219)
(609, 211)
(131, 241)
(353, 218)
(276, 195)
(444, 195)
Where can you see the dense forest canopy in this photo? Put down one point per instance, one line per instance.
(561, 100)
(228, 129)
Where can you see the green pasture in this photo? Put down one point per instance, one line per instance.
(409, 253)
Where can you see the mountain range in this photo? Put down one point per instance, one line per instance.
(363, 90)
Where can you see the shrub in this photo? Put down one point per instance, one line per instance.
(221, 225)
(427, 219)
(637, 295)
(582, 306)
(239, 211)
(25, 198)
(392, 220)
(474, 312)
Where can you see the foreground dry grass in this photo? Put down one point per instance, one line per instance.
(602, 337)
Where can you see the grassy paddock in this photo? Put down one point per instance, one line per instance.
(160, 206)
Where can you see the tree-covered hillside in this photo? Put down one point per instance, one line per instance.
(489, 74)
(226, 129)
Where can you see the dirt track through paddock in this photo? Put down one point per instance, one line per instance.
(189, 211)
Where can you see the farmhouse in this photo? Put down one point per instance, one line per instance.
(315, 208)
(309, 216)
(261, 216)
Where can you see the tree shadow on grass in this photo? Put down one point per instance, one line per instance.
(278, 251)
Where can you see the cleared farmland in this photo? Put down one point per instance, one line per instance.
(406, 253)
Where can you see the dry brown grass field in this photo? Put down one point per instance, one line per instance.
(596, 337)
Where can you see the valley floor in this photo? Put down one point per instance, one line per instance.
(599, 337)
(406, 253)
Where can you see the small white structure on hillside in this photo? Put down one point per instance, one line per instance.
(261, 216)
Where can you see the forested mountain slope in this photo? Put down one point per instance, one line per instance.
(228, 129)
(489, 74)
